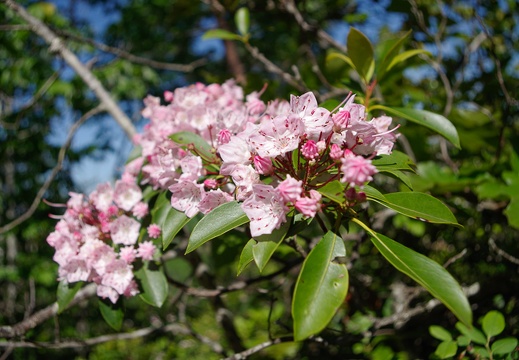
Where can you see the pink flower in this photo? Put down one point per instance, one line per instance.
(236, 151)
(210, 183)
(185, 196)
(213, 199)
(125, 230)
(154, 231)
(277, 136)
(191, 166)
(290, 189)
(107, 292)
(118, 276)
(317, 121)
(126, 195)
(308, 206)
(265, 209)
(309, 150)
(146, 250)
(140, 210)
(357, 170)
(128, 254)
(224, 136)
(102, 197)
(341, 120)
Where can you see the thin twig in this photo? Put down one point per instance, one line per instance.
(246, 353)
(40, 316)
(57, 46)
(455, 258)
(54, 172)
(134, 58)
(503, 253)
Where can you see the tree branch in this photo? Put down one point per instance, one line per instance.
(56, 45)
(54, 172)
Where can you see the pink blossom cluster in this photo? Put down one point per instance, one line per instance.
(97, 238)
(273, 157)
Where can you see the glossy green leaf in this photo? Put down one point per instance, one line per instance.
(224, 218)
(493, 323)
(360, 51)
(401, 176)
(390, 54)
(435, 122)
(169, 219)
(406, 55)
(242, 20)
(267, 244)
(154, 285)
(66, 293)
(201, 147)
(221, 34)
(113, 314)
(446, 349)
(321, 287)
(395, 161)
(440, 333)
(419, 206)
(336, 55)
(472, 333)
(504, 346)
(246, 256)
(334, 191)
(428, 273)
(374, 194)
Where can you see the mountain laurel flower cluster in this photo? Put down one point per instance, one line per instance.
(209, 145)
(97, 238)
(272, 157)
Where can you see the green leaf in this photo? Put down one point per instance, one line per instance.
(221, 34)
(219, 221)
(446, 349)
(242, 20)
(390, 55)
(395, 161)
(113, 314)
(472, 333)
(334, 191)
(432, 276)
(400, 175)
(435, 122)
(246, 256)
(419, 206)
(504, 346)
(170, 220)
(361, 54)
(321, 287)
(201, 147)
(66, 293)
(336, 55)
(406, 55)
(440, 333)
(267, 245)
(154, 285)
(493, 323)
(374, 194)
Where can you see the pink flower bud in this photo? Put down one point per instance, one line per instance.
(310, 150)
(351, 194)
(210, 183)
(224, 136)
(290, 189)
(168, 96)
(335, 152)
(154, 231)
(356, 170)
(263, 165)
(308, 206)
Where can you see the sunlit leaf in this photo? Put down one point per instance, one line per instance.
(428, 273)
(246, 256)
(360, 51)
(446, 349)
(224, 218)
(406, 55)
(200, 146)
(435, 122)
(493, 323)
(504, 346)
(267, 244)
(321, 287)
(440, 333)
(242, 20)
(169, 219)
(334, 191)
(472, 333)
(221, 34)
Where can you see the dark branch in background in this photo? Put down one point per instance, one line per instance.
(234, 63)
(291, 7)
(131, 57)
(55, 171)
(37, 318)
(56, 46)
